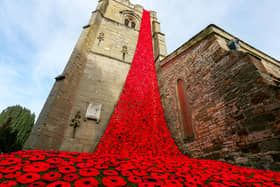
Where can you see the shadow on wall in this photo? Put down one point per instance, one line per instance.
(246, 135)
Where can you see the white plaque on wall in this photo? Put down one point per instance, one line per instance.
(94, 111)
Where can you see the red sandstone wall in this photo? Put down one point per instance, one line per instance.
(235, 107)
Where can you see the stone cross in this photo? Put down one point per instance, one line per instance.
(75, 122)
(100, 37)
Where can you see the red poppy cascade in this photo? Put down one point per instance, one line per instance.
(137, 126)
(136, 149)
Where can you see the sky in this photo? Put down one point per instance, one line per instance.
(38, 36)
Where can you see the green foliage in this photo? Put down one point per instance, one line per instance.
(16, 124)
(8, 141)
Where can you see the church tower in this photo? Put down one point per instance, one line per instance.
(82, 100)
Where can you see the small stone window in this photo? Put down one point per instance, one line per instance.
(130, 22)
(185, 109)
(126, 22)
(124, 51)
(133, 24)
(131, 19)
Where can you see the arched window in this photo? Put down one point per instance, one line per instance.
(185, 109)
(133, 24)
(126, 22)
(129, 21)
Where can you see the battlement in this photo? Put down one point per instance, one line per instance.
(130, 5)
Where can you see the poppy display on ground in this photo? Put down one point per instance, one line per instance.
(136, 148)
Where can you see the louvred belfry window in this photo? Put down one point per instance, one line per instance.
(185, 109)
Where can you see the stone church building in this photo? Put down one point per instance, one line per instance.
(220, 96)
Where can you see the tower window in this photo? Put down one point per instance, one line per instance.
(133, 24)
(185, 109)
(131, 18)
(130, 22)
(126, 22)
(124, 51)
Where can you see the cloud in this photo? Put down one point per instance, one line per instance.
(10, 77)
(183, 19)
(253, 22)
(37, 38)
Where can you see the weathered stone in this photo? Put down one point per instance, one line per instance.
(270, 145)
(260, 122)
(250, 148)
(259, 97)
(242, 105)
(241, 160)
(212, 156)
(232, 94)
(212, 148)
(95, 73)
(276, 156)
(275, 167)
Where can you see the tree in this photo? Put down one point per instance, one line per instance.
(8, 138)
(16, 124)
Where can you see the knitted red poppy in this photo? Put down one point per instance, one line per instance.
(11, 169)
(87, 182)
(126, 173)
(140, 172)
(110, 172)
(84, 165)
(101, 166)
(37, 184)
(28, 178)
(36, 167)
(173, 183)
(37, 158)
(24, 163)
(134, 179)
(145, 184)
(8, 183)
(54, 160)
(60, 184)
(71, 177)
(9, 161)
(113, 181)
(67, 169)
(89, 172)
(13, 175)
(51, 176)
(153, 180)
